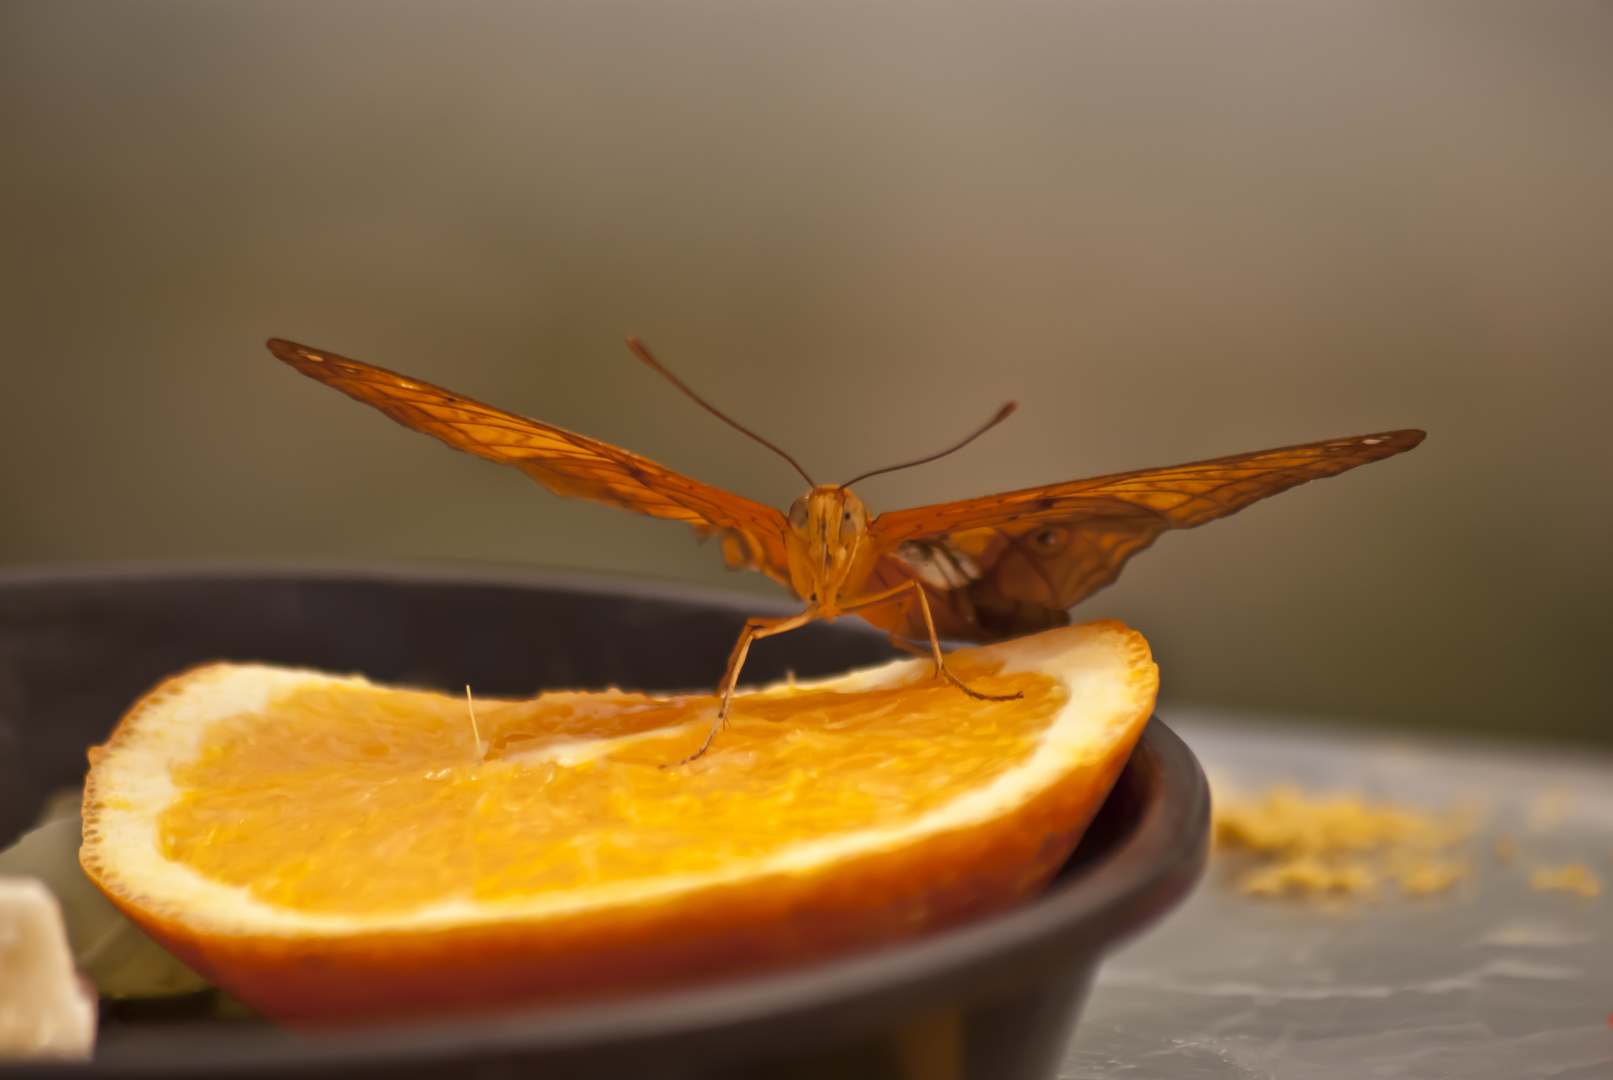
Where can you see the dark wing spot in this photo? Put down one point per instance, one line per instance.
(1050, 540)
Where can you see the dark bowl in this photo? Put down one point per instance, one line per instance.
(994, 1000)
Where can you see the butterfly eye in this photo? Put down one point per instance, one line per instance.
(1050, 540)
(798, 514)
(851, 520)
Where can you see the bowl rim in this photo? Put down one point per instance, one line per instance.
(1065, 929)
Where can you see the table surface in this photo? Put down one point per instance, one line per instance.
(1491, 979)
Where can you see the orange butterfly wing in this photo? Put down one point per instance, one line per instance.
(1004, 565)
(562, 461)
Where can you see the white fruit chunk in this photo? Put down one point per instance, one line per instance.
(46, 1010)
(110, 949)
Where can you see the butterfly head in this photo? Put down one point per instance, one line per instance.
(827, 541)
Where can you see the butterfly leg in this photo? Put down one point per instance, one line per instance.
(940, 664)
(941, 668)
(758, 627)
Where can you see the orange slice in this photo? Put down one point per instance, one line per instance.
(327, 849)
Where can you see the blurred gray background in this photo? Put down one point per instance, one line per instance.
(1171, 230)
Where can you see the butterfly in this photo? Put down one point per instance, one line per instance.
(980, 569)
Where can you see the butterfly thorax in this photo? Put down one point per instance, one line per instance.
(829, 551)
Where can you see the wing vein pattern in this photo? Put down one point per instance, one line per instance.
(1040, 550)
(566, 463)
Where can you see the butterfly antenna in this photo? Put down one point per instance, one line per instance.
(1002, 414)
(644, 354)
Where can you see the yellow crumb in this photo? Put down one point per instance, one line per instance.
(1432, 876)
(1342, 844)
(1305, 874)
(1570, 877)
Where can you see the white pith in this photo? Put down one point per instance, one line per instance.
(1105, 669)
